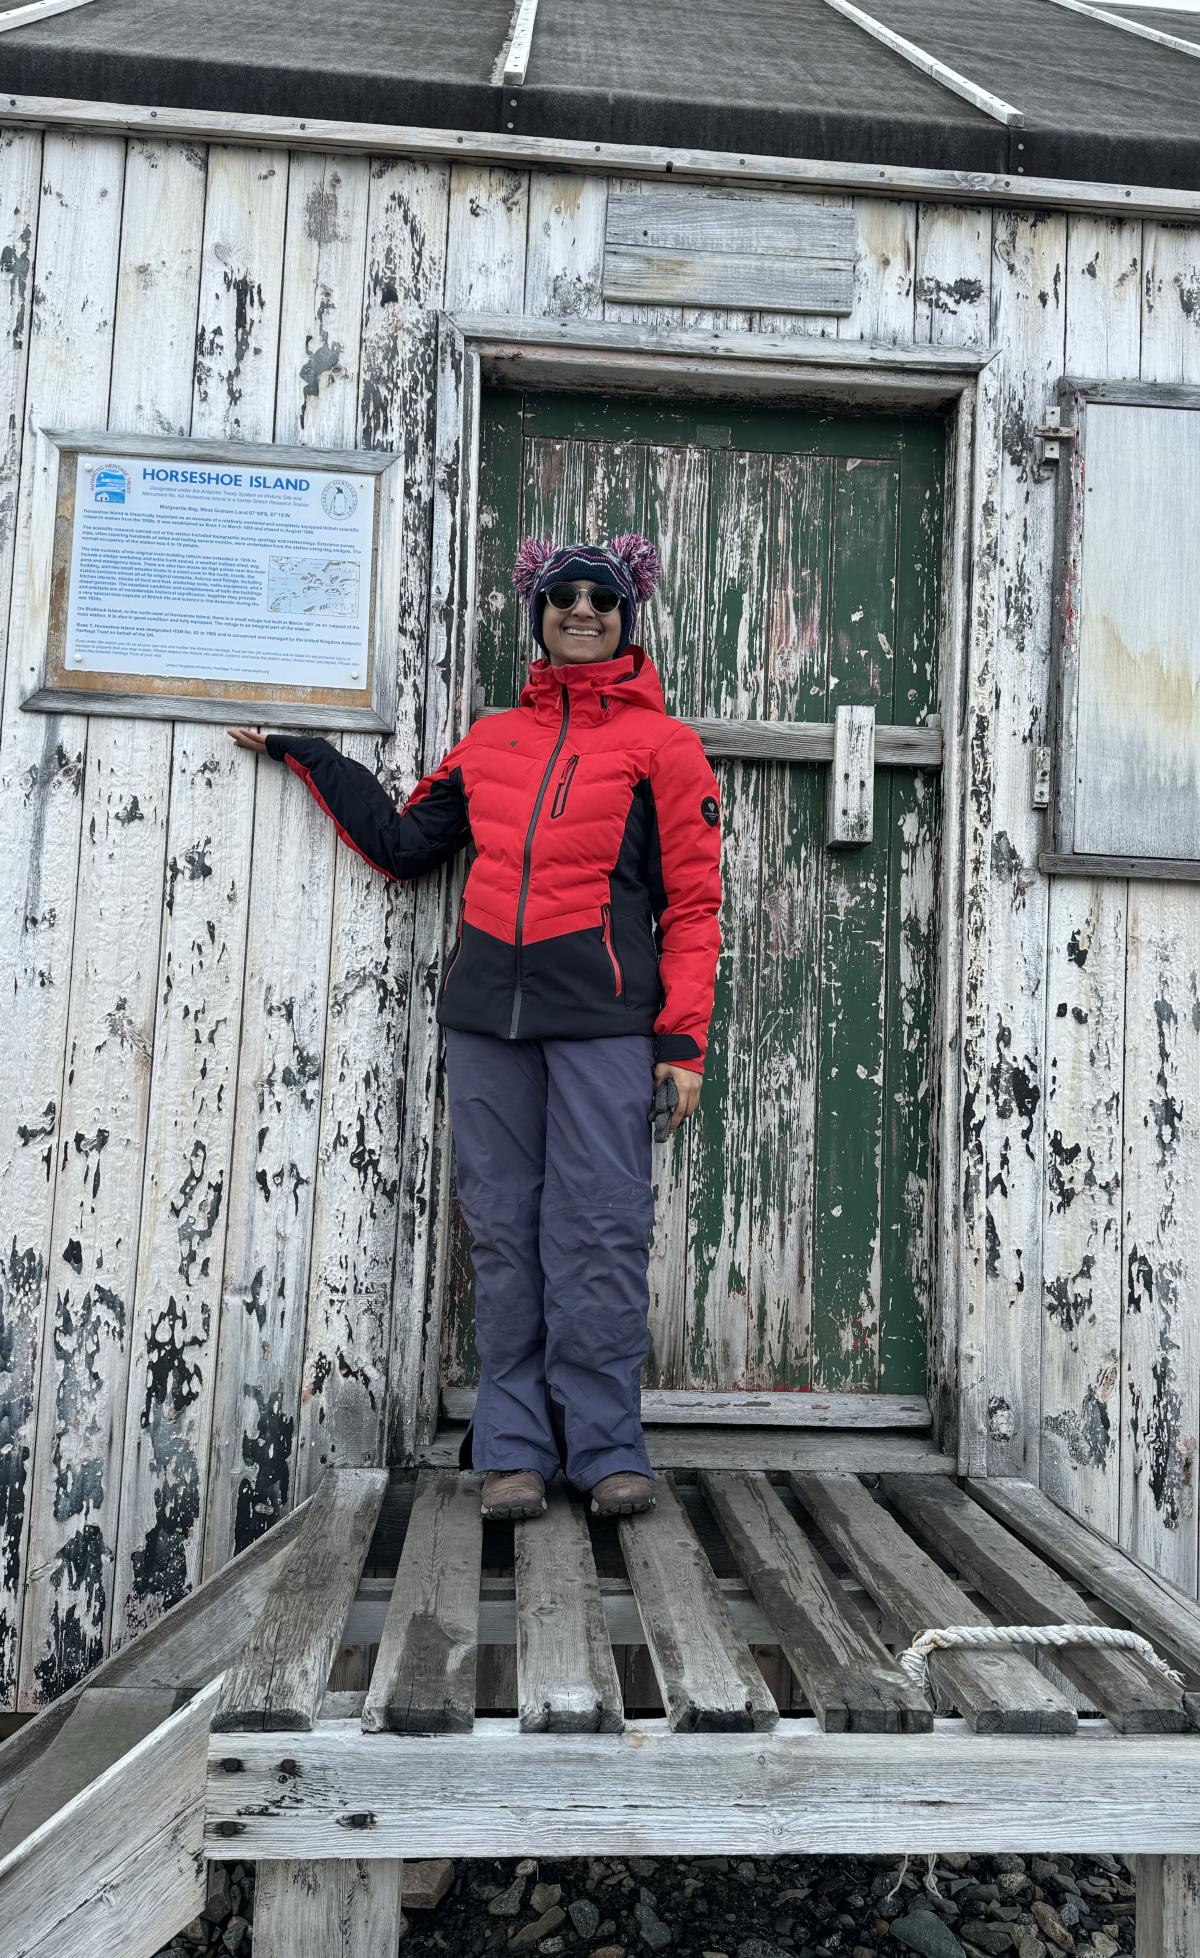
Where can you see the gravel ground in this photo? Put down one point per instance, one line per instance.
(735, 1907)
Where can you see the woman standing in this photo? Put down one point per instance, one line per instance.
(582, 975)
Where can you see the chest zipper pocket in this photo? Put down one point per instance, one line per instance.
(564, 787)
(618, 978)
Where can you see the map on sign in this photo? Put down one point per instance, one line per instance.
(220, 572)
(313, 584)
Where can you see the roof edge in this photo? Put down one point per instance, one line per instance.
(621, 159)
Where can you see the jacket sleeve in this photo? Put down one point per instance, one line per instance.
(405, 842)
(686, 894)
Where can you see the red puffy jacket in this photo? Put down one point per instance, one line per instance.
(592, 899)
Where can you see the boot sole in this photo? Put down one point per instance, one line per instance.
(513, 1512)
(623, 1508)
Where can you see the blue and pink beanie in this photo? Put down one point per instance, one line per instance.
(629, 563)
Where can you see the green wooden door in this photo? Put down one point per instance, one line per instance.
(794, 1231)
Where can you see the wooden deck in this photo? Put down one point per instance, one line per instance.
(719, 1674)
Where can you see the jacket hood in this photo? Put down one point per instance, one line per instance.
(631, 679)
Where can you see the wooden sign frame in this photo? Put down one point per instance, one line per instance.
(47, 686)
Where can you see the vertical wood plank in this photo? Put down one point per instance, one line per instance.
(564, 259)
(953, 275)
(1168, 1906)
(485, 272)
(236, 362)
(161, 245)
(405, 274)
(1160, 1403)
(848, 1220)
(783, 1197)
(733, 684)
(676, 628)
(502, 639)
(1029, 253)
(953, 308)
(344, 1909)
(346, 1324)
(27, 1129)
(1085, 1026)
(73, 287)
(285, 994)
(356, 1263)
(908, 1198)
(884, 273)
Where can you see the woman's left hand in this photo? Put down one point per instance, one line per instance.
(688, 1085)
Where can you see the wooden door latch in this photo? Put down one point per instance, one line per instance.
(850, 799)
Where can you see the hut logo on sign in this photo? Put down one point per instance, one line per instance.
(110, 486)
(339, 498)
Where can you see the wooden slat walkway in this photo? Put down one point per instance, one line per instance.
(996, 1692)
(424, 1678)
(566, 1676)
(1135, 1696)
(105, 1833)
(849, 1677)
(279, 1680)
(705, 1670)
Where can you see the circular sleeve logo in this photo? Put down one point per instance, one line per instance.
(710, 811)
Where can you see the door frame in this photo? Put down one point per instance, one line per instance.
(599, 356)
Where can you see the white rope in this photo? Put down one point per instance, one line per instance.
(915, 1660)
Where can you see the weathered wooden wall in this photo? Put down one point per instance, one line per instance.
(220, 1059)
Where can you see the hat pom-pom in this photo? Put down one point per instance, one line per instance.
(641, 558)
(531, 556)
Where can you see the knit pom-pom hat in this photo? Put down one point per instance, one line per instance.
(629, 563)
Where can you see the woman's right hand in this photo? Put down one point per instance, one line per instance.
(249, 737)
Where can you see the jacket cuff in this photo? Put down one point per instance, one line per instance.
(680, 1048)
(277, 746)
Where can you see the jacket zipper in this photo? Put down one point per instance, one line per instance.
(525, 866)
(564, 786)
(606, 915)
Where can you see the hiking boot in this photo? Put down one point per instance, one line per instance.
(511, 1494)
(622, 1494)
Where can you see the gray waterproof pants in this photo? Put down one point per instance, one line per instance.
(552, 1149)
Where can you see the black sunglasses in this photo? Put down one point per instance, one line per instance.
(603, 598)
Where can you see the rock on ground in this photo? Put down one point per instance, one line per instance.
(736, 1907)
